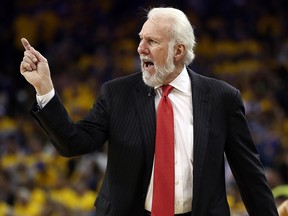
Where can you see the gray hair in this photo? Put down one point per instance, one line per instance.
(181, 29)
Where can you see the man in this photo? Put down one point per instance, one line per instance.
(207, 122)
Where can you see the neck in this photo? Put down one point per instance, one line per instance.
(173, 75)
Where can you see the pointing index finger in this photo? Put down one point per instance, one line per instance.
(25, 43)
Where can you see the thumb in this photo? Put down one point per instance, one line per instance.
(38, 55)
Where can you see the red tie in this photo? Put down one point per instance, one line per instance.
(164, 188)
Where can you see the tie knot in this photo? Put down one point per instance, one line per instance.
(166, 89)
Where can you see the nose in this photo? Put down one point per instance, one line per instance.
(142, 48)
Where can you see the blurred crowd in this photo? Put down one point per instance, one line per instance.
(88, 42)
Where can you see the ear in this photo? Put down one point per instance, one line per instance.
(179, 52)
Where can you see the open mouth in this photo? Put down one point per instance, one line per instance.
(147, 64)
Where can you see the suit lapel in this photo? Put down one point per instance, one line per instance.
(145, 107)
(201, 117)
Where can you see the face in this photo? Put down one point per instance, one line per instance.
(156, 52)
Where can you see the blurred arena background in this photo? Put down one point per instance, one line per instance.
(88, 42)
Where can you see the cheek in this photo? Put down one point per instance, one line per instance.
(161, 60)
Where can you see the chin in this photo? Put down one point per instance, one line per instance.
(151, 80)
(148, 78)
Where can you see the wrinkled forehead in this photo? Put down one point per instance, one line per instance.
(156, 26)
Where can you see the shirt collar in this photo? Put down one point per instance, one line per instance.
(182, 82)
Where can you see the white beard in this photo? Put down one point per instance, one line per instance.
(161, 72)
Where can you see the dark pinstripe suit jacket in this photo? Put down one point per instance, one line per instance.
(124, 114)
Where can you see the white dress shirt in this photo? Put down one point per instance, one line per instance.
(42, 100)
(181, 99)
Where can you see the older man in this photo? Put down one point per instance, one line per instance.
(167, 128)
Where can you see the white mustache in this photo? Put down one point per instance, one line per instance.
(145, 58)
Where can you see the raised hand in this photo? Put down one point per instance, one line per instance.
(34, 67)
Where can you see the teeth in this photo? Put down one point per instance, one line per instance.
(146, 61)
(148, 64)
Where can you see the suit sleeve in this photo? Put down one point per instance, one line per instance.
(245, 164)
(69, 138)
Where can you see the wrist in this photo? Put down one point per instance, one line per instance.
(44, 89)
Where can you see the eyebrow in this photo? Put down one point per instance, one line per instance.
(149, 37)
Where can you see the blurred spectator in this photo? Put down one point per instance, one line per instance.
(283, 208)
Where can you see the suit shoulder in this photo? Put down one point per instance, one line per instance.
(219, 86)
(126, 80)
(122, 85)
(221, 92)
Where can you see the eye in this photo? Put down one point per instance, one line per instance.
(152, 42)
